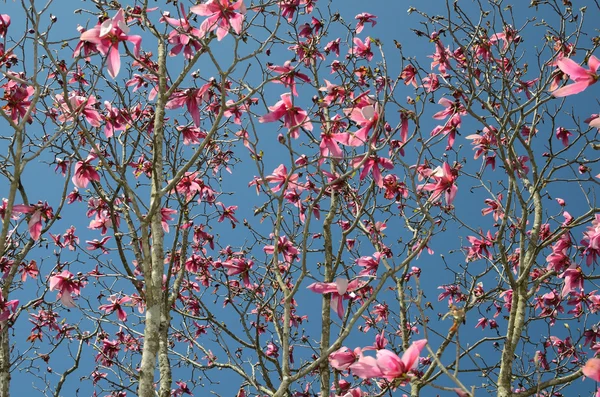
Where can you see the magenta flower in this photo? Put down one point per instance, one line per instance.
(583, 77)
(284, 247)
(182, 38)
(293, 117)
(4, 24)
(98, 244)
(591, 241)
(409, 75)
(239, 266)
(115, 305)
(165, 216)
(6, 307)
(388, 365)
(288, 76)
(192, 98)
(338, 290)
(329, 144)
(78, 105)
(563, 134)
(66, 285)
(591, 369)
(573, 279)
(85, 173)
(222, 15)
(444, 184)
(342, 358)
(228, 212)
(363, 18)
(107, 37)
(372, 164)
(362, 49)
(39, 212)
(366, 115)
(333, 46)
(280, 176)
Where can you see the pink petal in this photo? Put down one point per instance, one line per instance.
(591, 369)
(366, 367)
(201, 9)
(105, 28)
(571, 89)
(572, 68)
(67, 300)
(411, 355)
(236, 22)
(114, 61)
(594, 63)
(341, 285)
(337, 304)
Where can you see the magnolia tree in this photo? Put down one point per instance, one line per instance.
(264, 199)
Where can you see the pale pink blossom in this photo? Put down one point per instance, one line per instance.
(222, 15)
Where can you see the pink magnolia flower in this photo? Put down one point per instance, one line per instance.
(329, 144)
(582, 77)
(338, 290)
(66, 285)
(17, 96)
(431, 82)
(333, 46)
(62, 165)
(165, 216)
(563, 134)
(98, 244)
(7, 307)
(115, 305)
(451, 108)
(480, 247)
(182, 38)
(280, 176)
(363, 18)
(288, 76)
(222, 15)
(228, 212)
(333, 93)
(192, 98)
(342, 358)
(494, 207)
(4, 24)
(591, 369)
(409, 75)
(78, 105)
(239, 266)
(85, 172)
(284, 247)
(107, 37)
(593, 121)
(369, 264)
(29, 270)
(449, 129)
(388, 365)
(114, 120)
(39, 212)
(362, 49)
(591, 241)
(573, 279)
(293, 117)
(445, 179)
(372, 164)
(272, 350)
(366, 115)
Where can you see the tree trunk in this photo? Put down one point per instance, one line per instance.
(4, 360)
